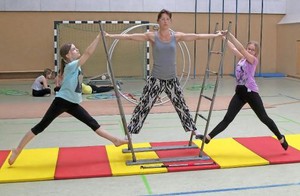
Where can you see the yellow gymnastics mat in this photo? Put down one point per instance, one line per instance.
(101, 161)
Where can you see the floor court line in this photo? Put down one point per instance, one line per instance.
(146, 183)
(230, 189)
(290, 120)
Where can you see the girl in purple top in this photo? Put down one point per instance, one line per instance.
(246, 90)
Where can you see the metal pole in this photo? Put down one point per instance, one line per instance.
(249, 21)
(195, 43)
(223, 16)
(209, 16)
(209, 21)
(261, 34)
(236, 32)
(175, 165)
(117, 94)
(223, 11)
(236, 17)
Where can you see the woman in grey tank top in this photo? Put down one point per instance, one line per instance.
(163, 77)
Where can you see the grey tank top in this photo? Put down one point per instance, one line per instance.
(164, 55)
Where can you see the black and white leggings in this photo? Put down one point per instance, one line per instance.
(154, 87)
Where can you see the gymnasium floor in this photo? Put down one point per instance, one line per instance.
(280, 95)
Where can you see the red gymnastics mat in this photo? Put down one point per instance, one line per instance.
(102, 161)
(3, 155)
(82, 162)
(270, 149)
(190, 165)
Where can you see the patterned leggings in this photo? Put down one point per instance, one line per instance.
(151, 91)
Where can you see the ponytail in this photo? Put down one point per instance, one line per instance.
(64, 50)
(62, 66)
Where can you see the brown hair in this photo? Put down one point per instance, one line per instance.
(47, 71)
(164, 11)
(63, 51)
(257, 48)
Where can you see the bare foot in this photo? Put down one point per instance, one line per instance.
(120, 142)
(14, 155)
(128, 137)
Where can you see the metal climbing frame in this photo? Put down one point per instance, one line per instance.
(190, 145)
(208, 72)
(122, 114)
(130, 148)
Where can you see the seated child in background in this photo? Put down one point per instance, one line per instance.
(86, 88)
(40, 85)
(90, 88)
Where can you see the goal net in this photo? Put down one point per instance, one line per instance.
(129, 59)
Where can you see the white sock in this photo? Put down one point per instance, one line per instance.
(196, 132)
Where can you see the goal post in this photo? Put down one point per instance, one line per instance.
(132, 59)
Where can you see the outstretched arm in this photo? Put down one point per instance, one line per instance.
(193, 36)
(134, 36)
(241, 51)
(234, 50)
(89, 50)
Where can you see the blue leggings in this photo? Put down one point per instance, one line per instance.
(241, 97)
(60, 106)
(151, 91)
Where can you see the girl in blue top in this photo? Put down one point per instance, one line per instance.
(246, 90)
(68, 98)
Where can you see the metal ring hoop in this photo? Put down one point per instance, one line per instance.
(183, 47)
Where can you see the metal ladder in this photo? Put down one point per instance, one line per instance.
(208, 72)
(190, 145)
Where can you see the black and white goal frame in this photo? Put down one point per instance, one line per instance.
(56, 24)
